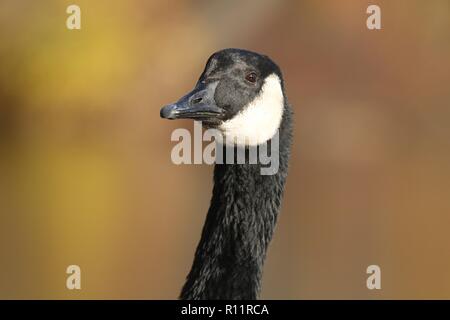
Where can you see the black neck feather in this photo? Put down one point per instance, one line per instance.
(239, 226)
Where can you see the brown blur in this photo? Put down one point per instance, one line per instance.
(85, 170)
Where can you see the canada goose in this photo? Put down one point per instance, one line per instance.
(240, 93)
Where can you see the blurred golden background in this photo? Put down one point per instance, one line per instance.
(85, 170)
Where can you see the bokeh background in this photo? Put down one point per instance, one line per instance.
(85, 170)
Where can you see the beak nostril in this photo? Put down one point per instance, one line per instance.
(197, 100)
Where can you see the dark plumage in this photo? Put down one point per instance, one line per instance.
(245, 204)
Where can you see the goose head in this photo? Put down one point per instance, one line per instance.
(240, 93)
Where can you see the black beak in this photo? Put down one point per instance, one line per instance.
(198, 104)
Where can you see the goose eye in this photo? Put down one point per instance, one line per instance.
(251, 77)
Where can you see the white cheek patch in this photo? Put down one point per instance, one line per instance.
(260, 119)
